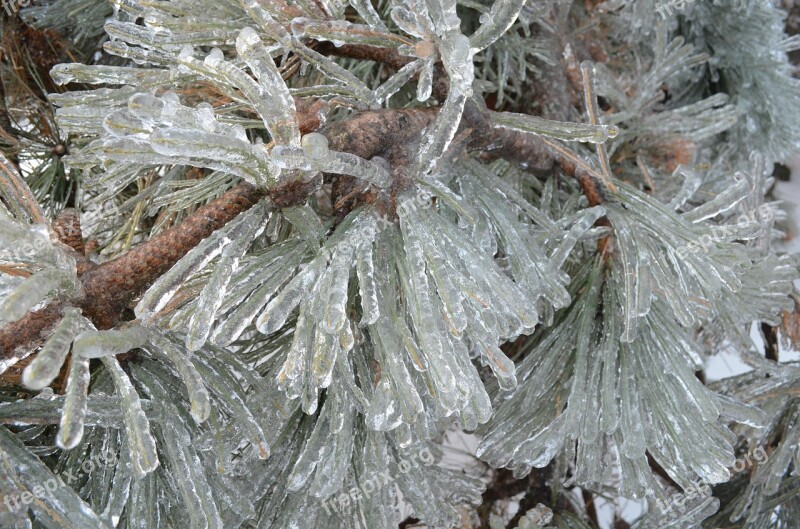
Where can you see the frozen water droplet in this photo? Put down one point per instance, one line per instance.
(315, 145)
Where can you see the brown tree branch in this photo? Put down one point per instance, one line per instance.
(533, 152)
(111, 287)
(389, 57)
(68, 230)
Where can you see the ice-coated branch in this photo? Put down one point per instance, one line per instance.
(17, 195)
(109, 288)
(513, 143)
(495, 23)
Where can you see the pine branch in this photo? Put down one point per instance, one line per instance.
(390, 58)
(533, 152)
(110, 287)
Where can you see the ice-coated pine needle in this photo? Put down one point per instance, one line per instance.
(48, 361)
(144, 458)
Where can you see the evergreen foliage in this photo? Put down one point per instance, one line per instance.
(261, 262)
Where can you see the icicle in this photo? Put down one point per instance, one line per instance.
(140, 441)
(425, 82)
(495, 23)
(276, 104)
(323, 159)
(34, 290)
(423, 307)
(158, 295)
(70, 429)
(230, 392)
(741, 413)
(691, 183)
(341, 32)
(455, 201)
(59, 508)
(608, 352)
(590, 100)
(502, 366)
(189, 478)
(307, 222)
(398, 80)
(630, 274)
(248, 161)
(336, 307)
(210, 298)
(119, 494)
(366, 11)
(149, 37)
(100, 74)
(723, 202)
(124, 123)
(236, 322)
(332, 70)
(312, 451)
(295, 364)
(198, 394)
(585, 220)
(554, 129)
(452, 297)
(413, 23)
(346, 338)
(365, 269)
(48, 361)
(326, 349)
(632, 431)
(440, 134)
(277, 311)
(99, 344)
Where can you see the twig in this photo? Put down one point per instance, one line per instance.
(532, 151)
(389, 57)
(110, 287)
(17, 194)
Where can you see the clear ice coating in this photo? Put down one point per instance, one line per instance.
(157, 130)
(34, 290)
(340, 345)
(160, 293)
(60, 508)
(99, 344)
(272, 97)
(48, 361)
(211, 297)
(141, 444)
(554, 129)
(495, 23)
(70, 428)
(198, 394)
